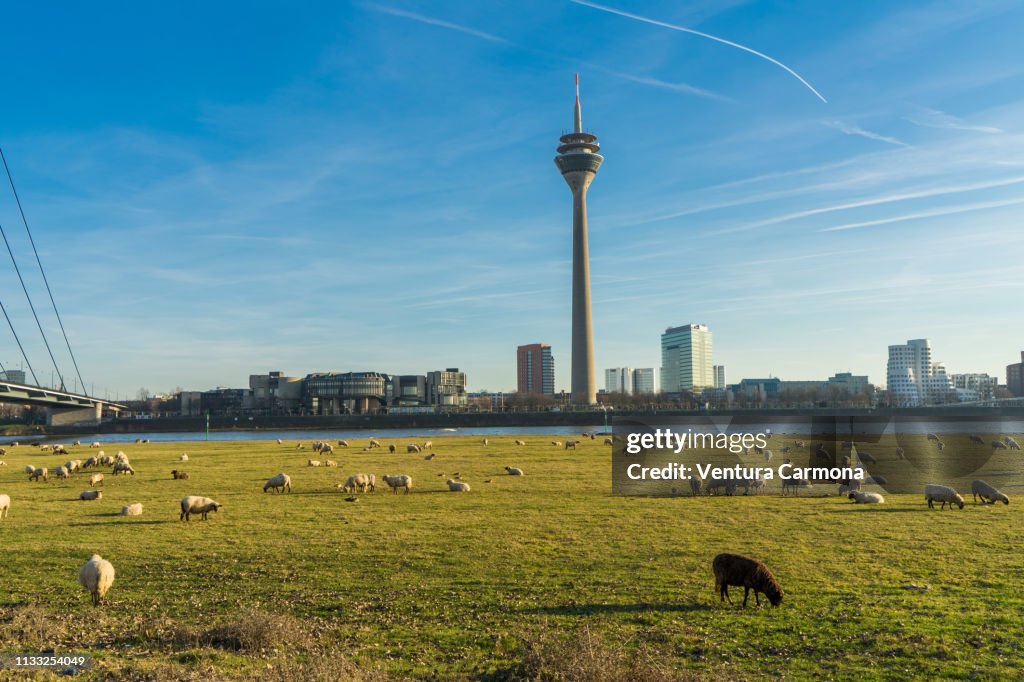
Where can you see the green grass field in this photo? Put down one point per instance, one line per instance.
(545, 576)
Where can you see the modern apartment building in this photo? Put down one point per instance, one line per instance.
(686, 359)
(535, 369)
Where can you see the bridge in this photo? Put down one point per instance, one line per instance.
(61, 407)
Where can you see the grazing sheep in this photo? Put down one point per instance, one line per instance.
(750, 574)
(96, 576)
(607, 441)
(326, 449)
(867, 457)
(976, 439)
(192, 504)
(183, 457)
(120, 456)
(999, 445)
(359, 483)
(1011, 443)
(932, 436)
(94, 444)
(343, 443)
(795, 484)
(123, 468)
(62, 472)
(520, 442)
(428, 444)
(281, 483)
(987, 493)
(298, 446)
(940, 445)
(70, 466)
(29, 469)
(399, 481)
(3, 452)
(179, 475)
(391, 448)
(3, 463)
(374, 443)
(767, 455)
(899, 453)
(330, 463)
(91, 462)
(5, 505)
(457, 486)
(313, 462)
(95, 480)
(570, 444)
(696, 486)
(849, 487)
(39, 472)
(132, 510)
(861, 497)
(785, 450)
(513, 471)
(91, 495)
(557, 443)
(941, 493)
(484, 441)
(280, 442)
(799, 444)
(412, 447)
(715, 483)
(60, 450)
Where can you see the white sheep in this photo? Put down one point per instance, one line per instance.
(987, 493)
(39, 472)
(71, 465)
(122, 467)
(95, 480)
(374, 443)
(282, 483)
(360, 482)
(5, 505)
(29, 469)
(513, 471)
(313, 463)
(428, 444)
(193, 504)
(607, 441)
(767, 455)
(484, 441)
(457, 486)
(132, 510)
(96, 576)
(399, 481)
(412, 447)
(343, 443)
(861, 497)
(280, 442)
(62, 472)
(94, 444)
(520, 442)
(91, 495)
(120, 456)
(1011, 443)
(999, 445)
(942, 493)
(183, 457)
(556, 443)
(3, 463)
(330, 463)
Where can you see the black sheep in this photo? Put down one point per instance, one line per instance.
(750, 574)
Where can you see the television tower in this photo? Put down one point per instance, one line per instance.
(578, 160)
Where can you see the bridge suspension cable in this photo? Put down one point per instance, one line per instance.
(23, 355)
(46, 281)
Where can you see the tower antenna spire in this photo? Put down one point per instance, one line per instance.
(577, 116)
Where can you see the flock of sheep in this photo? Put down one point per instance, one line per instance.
(97, 575)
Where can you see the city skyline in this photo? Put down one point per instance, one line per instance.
(235, 207)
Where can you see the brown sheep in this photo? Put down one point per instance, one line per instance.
(750, 574)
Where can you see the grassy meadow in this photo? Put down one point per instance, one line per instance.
(545, 576)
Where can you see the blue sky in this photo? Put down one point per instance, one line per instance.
(221, 189)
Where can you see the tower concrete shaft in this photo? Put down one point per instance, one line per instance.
(578, 160)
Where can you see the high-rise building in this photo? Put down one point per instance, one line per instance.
(686, 359)
(719, 372)
(578, 160)
(1015, 377)
(535, 369)
(618, 380)
(15, 376)
(447, 388)
(912, 379)
(643, 380)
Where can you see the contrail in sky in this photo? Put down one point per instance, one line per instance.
(683, 29)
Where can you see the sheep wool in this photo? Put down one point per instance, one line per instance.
(96, 576)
